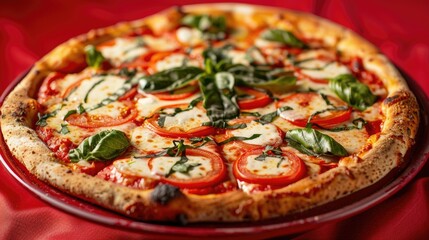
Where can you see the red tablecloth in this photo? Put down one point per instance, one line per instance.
(29, 29)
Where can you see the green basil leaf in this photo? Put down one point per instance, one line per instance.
(64, 129)
(169, 79)
(350, 90)
(105, 145)
(219, 97)
(42, 118)
(275, 80)
(94, 58)
(314, 143)
(283, 36)
(269, 117)
(238, 138)
(212, 27)
(224, 125)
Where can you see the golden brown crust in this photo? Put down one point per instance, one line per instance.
(354, 173)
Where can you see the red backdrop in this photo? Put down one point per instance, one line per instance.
(29, 29)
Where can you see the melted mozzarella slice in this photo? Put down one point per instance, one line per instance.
(238, 57)
(302, 110)
(124, 50)
(186, 120)
(321, 69)
(270, 166)
(95, 89)
(147, 141)
(137, 167)
(161, 44)
(162, 166)
(189, 36)
(269, 134)
(351, 140)
(174, 60)
(148, 105)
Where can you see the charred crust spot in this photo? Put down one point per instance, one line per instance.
(182, 219)
(163, 193)
(3, 116)
(69, 171)
(20, 112)
(396, 98)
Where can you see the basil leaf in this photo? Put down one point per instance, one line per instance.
(212, 27)
(283, 36)
(219, 97)
(64, 129)
(314, 143)
(350, 90)
(224, 125)
(94, 58)
(105, 145)
(269, 117)
(42, 118)
(275, 80)
(238, 138)
(169, 79)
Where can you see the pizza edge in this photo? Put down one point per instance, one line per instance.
(400, 108)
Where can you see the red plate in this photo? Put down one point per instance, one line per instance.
(338, 210)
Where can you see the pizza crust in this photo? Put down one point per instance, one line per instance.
(19, 113)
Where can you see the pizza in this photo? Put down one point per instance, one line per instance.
(212, 113)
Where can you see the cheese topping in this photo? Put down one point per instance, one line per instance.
(269, 166)
(321, 69)
(137, 167)
(269, 134)
(189, 36)
(162, 166)
(124, 50)
(186, 120)
(175, 60)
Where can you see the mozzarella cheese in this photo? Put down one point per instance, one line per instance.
(161, 44)
(269, 166)
(124, 50)
(189, 36)
(351, 140)
(96, 89)
(162, 166)
(137, 167)
(301, 111)
(148, 105)
(186, 120)
(174, 60)
(147, 141)
(321, 69)
(269, 134)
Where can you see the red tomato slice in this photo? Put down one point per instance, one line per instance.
(296, 166)
(152, 124)
(304, 101)
(257, 99)
(213, 177)
(84, 120)
(93, 169)
(48, 88)
(178, 94)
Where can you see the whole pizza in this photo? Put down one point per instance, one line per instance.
(220, 112)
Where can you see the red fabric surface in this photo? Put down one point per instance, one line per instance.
(29, 29)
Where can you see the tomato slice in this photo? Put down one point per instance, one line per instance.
(303, 105)
(92, 169)
(175, 132)
(254, 98)
(269, 171)
(84, 120)
(216, 174)
(178, 94)
(48, 88)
